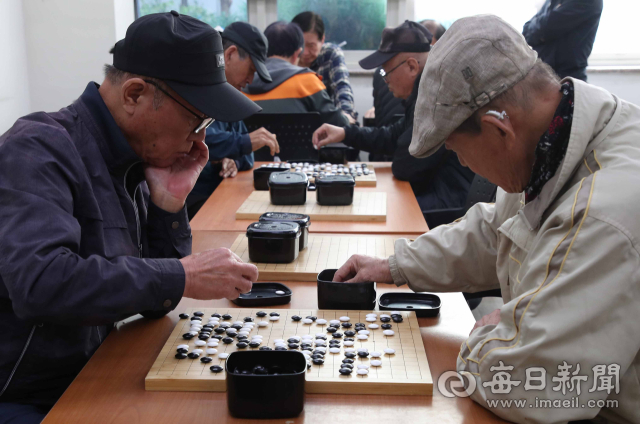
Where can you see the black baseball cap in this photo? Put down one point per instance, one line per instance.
(187, 55)
(253, 42)
(408, 37)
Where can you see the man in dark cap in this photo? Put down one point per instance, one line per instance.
(438, 182)
(230, 144)
(93, 227)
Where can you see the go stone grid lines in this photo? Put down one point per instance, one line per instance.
(322, 252)
(404, 373)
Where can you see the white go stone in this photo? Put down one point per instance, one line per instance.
(373, 326)
(349, 349)
(334, 321)
(372, 315)
(211, 351)
(321, 321)
(200, 343)
(197, 351)
(362, 337)
(345, 319)
(279, 292)
(385, 316)
(321, 348)
(321, 343)
(307, 321)
(183, 346)
(334, 350)
(223, 355)
(243, 333)
(348, 343)
(256, 336)
(376, 354)
(263, 323)
(363, 349)
(371, 319)
(375, 363)
(238, 323)
(212, 343)
(231, 331)
(307, 337)
(389, 351)
(320, 335)
(388, 332)
(225, 325)
(274, 318)
(295, 337)
(366, 332)
(280, 345)
(193, 333)
(363, 367)
(278, 341)
(363, 371)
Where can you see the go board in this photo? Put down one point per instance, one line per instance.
(326, 251)
(405, 372)
(367, 206)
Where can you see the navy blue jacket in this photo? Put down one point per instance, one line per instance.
(81, 246)
(563, 32)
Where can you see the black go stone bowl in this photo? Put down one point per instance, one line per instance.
(264, 294)
(304, 221)
(273, 242)
(266, 395)
(335, 190)
(261, 176)
(288, 188)
(355, 296)
(423, 304)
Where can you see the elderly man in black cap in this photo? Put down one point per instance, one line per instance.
(438, 182)
(93, 227)
(230, 144)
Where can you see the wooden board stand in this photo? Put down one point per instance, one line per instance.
(322, 252)
(404, 373)
(370, 206)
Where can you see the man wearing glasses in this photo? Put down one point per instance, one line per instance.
(93, 227)
(438, 182)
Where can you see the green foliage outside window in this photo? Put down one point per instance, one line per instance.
(213, 12)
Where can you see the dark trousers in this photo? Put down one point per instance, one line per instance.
(17, 413)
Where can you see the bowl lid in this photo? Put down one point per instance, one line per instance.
(288, 179)
(336, 180)
(288, 230)
(299, 218)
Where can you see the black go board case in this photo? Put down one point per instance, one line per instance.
(334, 154)
(423, 304)
(304, 221)
(270, 395)
(288, 188)
(261, 175)
(264, 294)
(335, 190)
(345, 296)
(273, 242)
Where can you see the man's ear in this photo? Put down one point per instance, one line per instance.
(295, 59)
(133, 91)
(499, 128)
(323, 36)
(230, 51)
(413, 65)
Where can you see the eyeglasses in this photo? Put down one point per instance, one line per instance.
(386, 74)
(205, 121)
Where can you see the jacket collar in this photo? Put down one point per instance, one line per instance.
(115, 149)
(594, 115)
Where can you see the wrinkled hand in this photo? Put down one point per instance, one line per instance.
(360, 268)
(371, 113)
(262, 137)
(170, 186)
(327, 134)
(491, 319)
(217, 274)
(229, 168)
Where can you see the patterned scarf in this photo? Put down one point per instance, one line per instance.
(552, 145)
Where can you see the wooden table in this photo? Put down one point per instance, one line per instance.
(110, 388)
(403, 212)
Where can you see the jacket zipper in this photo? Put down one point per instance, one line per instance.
(135, 208)
(24, 350)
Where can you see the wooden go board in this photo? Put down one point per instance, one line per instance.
(367, 206)
(322, 252)
(404, 373)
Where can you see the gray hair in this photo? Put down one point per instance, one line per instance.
(117, 77)
(540, 78)
(241, 52)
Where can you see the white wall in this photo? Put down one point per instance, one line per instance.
(14, 83)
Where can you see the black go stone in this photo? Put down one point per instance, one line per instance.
(183, 316)
(216, 315)
(181, 355)
(183, 350)
(242, 338)
(334, 325)
(217, 336)
(261, 314)
(350, 355)
(350, 366)
(318, 361)
(293, 345)
(204, 336)
(216, 368)
(360, 324)
(308, 365)
(345, 371)
(227, 340)
(385, 319)
(296, 318)
(334, 342)
(207, 327)
(350, 333)
(196, 319)
(397, 318)
(242, 345)
(385, 326)
(248, 319)
(363, 354)
(205, 359)
(254, 345)
(226, 316)
(312, 318)
(265, 348)
(274, 314)
(321, 337)
(318, 352)
(236, 326)
(292, 340)
(346, 325)
(280, 348)
(309, 348)
(332, 330)
(220, 330)
(192, 355)
(198, 314)
(337, 335)
(347, 361)
(187, 336)
(349, 339)
(259, 370)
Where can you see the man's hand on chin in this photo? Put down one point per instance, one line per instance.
(169, 186)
